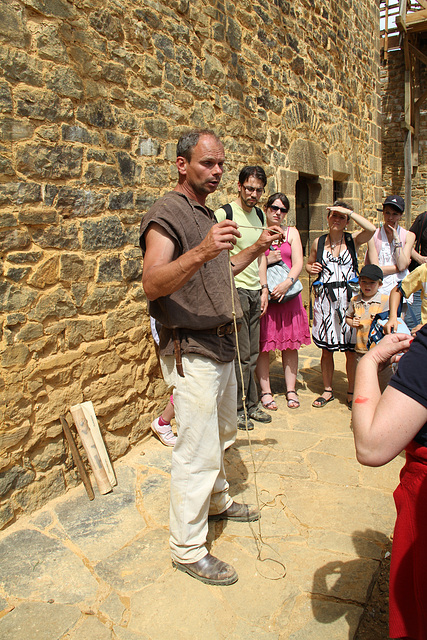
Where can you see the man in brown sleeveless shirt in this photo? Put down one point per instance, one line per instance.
(186, 278)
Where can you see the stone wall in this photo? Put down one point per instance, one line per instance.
(93, 96)
(393, 135)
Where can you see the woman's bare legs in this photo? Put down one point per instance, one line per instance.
(327, 367)
(263, 374)
(290, 369)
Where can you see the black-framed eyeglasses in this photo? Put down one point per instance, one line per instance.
(259, 192)
(275, 208)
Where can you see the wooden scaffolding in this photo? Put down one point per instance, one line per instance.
(404, 26)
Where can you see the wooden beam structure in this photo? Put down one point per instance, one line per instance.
(409, 29)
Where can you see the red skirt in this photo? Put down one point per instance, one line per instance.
(408, 569)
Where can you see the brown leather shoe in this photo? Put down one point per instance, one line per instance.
(209, 570)
(239, 513)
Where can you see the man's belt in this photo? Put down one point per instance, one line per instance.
(226, 329)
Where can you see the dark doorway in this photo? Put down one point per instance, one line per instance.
(338, 190)
(302, 200)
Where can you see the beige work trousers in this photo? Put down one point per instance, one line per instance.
(205, 402)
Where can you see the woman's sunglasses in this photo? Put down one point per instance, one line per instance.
(274, 208)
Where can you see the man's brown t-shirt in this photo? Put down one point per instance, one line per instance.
(205, 301)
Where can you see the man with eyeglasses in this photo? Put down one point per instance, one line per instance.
(251, 284)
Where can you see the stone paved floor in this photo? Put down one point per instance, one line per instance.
(81, 570)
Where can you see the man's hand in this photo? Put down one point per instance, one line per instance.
(356, 321)
(268, 236)
(222, 236)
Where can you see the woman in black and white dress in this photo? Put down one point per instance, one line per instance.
(334, 270)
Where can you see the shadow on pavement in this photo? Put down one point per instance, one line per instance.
(339, 587)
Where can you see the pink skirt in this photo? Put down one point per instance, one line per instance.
(284, 326)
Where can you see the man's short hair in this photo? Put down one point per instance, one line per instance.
(188, 141)
(255, 171)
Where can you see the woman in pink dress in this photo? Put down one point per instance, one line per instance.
(285, 325)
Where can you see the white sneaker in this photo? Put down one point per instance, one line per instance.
(164, 433)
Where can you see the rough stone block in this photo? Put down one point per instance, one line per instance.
(118, 140)
(30, 331)
(74, 268)
(39, 161)
(98, 114)
(63, 236)
(57, 304)
(18, 66)
(42, 490)
(12, 240)
(109, 269)
(65, 82)
(123, 320)
(13, 298)
(6, 167)
(16, 477)
(52, 454)
(50, 46)
(114, 73)
(106, 234)
(107, 25)
(30, 257)
(129, 170)
(37, 216)
(74, 133)
(52, 8)
(10, 436)
(6, 104)
(12, 130)
(132, 269)
(79, 202)
(79, 331)
(97, 174)
(48, 132)
(120, 201)
(45, 274)
(6, 516)
(20, 193)
(148, 147)
(96, 155)
(42, 105)
(103, 299)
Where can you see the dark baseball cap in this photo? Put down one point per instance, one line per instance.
(395, 201)
(371, 271)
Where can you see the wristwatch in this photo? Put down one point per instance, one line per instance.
(264, 286)
(291, 279)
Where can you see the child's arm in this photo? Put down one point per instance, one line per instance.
(352, 322)
(351, 318)
(395, 298)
